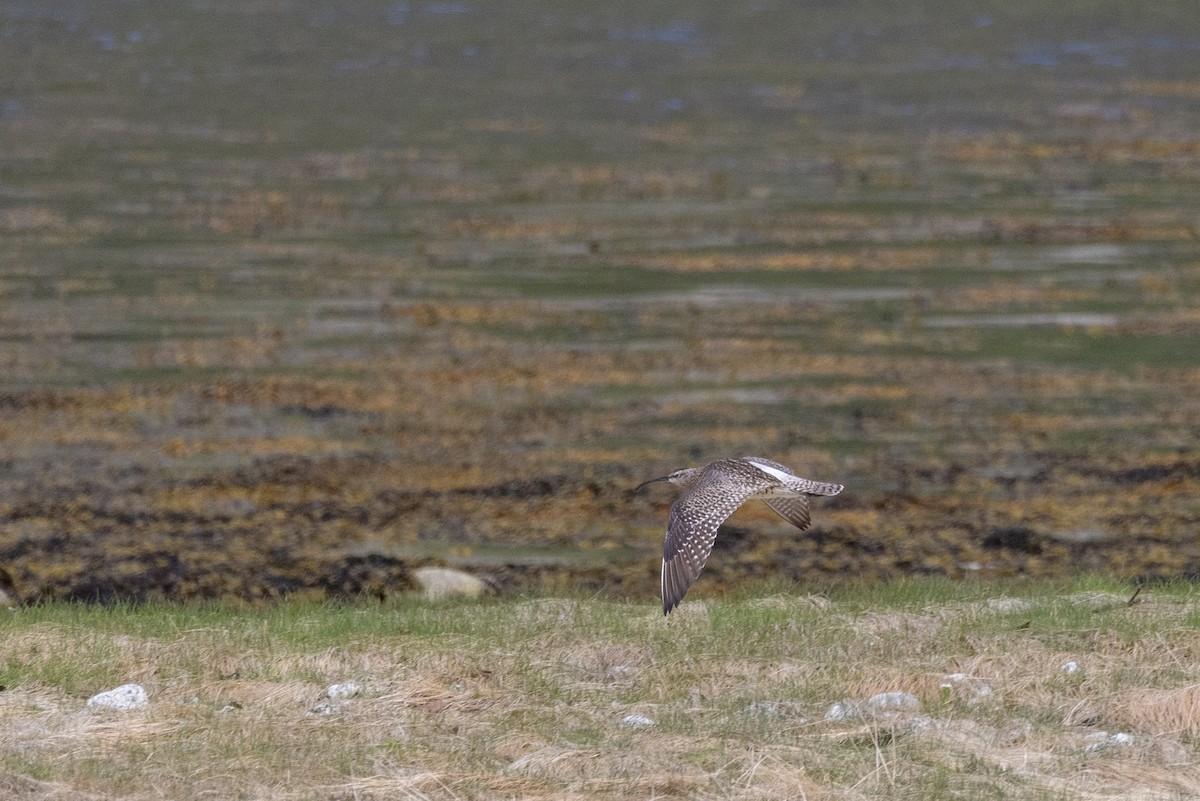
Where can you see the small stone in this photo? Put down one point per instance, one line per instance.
(636, 721)
(893, 700)
(763, 709)
(127, 696)
(1101, 740)
(444, 582)
(842, 710)
(347, 689)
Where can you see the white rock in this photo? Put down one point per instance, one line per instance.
(893, 700)
(347, 689)
(885, 703)
(1070, 667)
(636, 721)
(764, 709)
(1101, 740)
(841, 711)
(127, 696)
(445, 582)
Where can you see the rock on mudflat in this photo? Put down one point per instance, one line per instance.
(446, 582)
(127, 696)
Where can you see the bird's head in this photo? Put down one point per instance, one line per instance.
(685, 477)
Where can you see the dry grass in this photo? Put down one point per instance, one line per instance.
(525, 699)
(1171, 712)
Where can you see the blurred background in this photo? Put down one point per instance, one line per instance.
(296, 296)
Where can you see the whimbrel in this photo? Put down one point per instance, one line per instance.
(713, 493)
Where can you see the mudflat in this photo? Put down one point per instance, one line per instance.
(295, 298)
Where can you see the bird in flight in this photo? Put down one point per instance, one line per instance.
(714, 491)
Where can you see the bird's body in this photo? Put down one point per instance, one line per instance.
(713, 493)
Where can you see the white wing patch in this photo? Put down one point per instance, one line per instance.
(769, 470)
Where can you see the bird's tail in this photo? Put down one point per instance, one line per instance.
(820, 488)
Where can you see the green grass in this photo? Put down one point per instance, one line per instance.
(465, 700)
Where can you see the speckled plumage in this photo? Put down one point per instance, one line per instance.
(713, 493)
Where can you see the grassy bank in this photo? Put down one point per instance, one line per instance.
(533, 698)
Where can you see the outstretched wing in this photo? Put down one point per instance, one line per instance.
(692, 530)
(775, 468)
(791, 481)
(793, 509)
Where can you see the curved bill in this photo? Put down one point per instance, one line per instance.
(651, 481)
